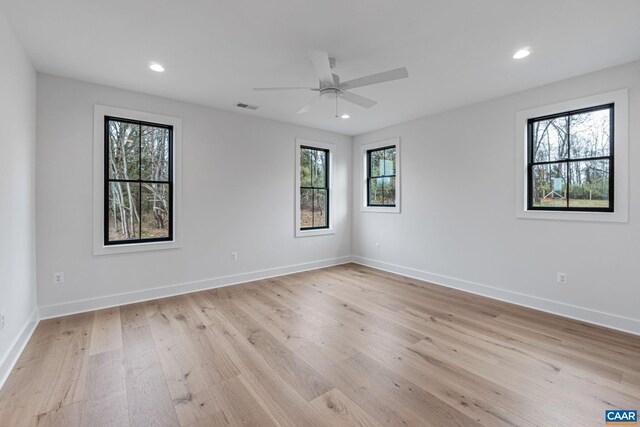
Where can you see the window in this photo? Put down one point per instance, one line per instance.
(381, 185)
(137, 169)
(313, 189)
(381, 176)
(138, 182)
(572, 154)
(571, 160)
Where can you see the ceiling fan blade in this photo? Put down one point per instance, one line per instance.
(263, 89)
(309, 105)
(358, 100)
(385, 76)
(323, 68)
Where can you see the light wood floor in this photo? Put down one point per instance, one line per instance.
(346, 345)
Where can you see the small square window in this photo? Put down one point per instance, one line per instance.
(570, 160)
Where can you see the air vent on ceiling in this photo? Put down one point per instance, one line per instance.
(247, 106)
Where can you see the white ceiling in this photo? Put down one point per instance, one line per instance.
(458, 52)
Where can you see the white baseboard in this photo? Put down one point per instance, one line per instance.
(608, 320)
(81, 306)
(10, 358)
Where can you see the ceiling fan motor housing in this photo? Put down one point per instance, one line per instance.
(330, 92)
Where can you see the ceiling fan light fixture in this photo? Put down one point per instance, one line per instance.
(522, 53)
(345, 116)
(154, 66)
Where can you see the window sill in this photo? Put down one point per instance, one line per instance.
(380, 209)
(318, 232)
(573, 215)
(135, 247)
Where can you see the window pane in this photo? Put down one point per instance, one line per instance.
(389, 191)
(549, 185)
(155, 153)
(320, 208)
(155, 210)
(124, 217)
(590, 134)
(589, 186)
(376, 159)
(376, 191)
(124, 150)
(306, 208)
(305, 167)
(319, 168)
(549, 140)
(390, 161)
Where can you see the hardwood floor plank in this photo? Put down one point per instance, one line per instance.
(190, 368)
(65, 416)
(342, 411)
(241, 406)
(106, 335)
(105, 402)
(69, 367)
(172, 316)
(219, 419)
(148, 397)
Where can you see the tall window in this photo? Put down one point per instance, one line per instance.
(571, 160)
(381, 176)
(314, 188)
(138, 181)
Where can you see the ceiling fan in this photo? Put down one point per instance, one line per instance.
(331, 87)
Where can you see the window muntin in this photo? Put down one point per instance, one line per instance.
(570, 160)
(314, 188)
(138, 181)
(381, 176)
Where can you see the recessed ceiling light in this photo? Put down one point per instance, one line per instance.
(522, 53)
(156, 67)
(345, 116)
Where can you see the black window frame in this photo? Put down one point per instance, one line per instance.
(108, 180)
(327, 153)
(370, 177)
(610, 158)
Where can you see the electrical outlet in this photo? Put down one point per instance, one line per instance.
(562, 278)
(58, 278)
(377, 246)
(3, 318)
(234, 256)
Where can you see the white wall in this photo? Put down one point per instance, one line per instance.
(17, 195)
(458, 224)
(238, 183)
